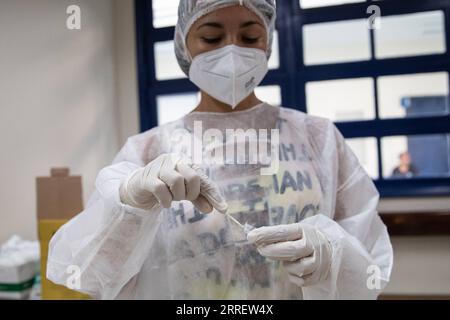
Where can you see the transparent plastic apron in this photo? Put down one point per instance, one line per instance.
(197, 256)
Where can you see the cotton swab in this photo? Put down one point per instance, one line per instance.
(234, 220)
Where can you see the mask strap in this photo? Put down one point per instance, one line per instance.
(186, 49)
(189, 55)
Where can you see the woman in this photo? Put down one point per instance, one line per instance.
(315, 232)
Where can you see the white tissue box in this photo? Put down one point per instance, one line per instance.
(16, 281)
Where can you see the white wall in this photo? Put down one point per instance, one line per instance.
(126, 73)
(421, 266)
(57, 101)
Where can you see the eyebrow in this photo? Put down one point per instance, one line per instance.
(211, 24)
(250, 23)
(220, 26)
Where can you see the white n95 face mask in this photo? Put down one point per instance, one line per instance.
(229, 74)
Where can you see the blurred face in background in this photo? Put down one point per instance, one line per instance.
(405, 159)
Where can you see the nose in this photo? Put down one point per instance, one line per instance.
(233, 38)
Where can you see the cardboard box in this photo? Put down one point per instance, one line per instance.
(59, 198)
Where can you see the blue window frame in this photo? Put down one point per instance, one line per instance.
(293, 75)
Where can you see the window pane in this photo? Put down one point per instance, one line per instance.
(334, 42)
(274, 61)
(410, 35)
(413, 95)
(366, 151)
(416, 156)
(173, 107)
(165, 13)
(166, 64)
(269, 94)
(323, 3)
(342, 100)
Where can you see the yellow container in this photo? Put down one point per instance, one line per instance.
(51, 291)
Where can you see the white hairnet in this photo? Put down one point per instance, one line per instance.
(189, 11)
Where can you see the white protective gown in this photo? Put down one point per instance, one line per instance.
(178, 253)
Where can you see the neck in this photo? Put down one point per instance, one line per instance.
(209, 104)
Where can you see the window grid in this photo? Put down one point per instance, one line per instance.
(293, 75)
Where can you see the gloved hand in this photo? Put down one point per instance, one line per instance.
(171, 178)
(304, 251)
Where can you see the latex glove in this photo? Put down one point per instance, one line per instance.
(169, 178)
(304, 251)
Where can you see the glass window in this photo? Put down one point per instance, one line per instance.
(166, 64)
(165, 13)
(416, 156)
(305, 4)
(366, 151)
(334, 42)
(410, 35)
(274, 61)
(413, 95)
(342, 100)
(269, 94)
(173, 107)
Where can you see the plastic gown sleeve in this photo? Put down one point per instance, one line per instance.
(107, 239)
(362, 251)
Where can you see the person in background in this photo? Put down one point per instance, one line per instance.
(405, 169)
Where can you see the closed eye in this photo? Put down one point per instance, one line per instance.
(250, 40)
(211, 40)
